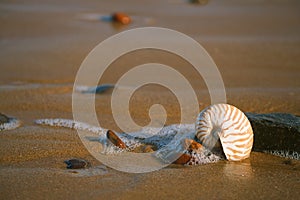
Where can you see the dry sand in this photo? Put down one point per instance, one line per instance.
(255, 44)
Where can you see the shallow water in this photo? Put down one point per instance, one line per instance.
(29, 86)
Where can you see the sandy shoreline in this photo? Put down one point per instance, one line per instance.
(254, 44)
(263, 176)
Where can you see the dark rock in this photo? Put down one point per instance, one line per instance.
(99, 89)
(275, 131)
(103, 88)
(3, 119)
(77, 164)
(200, 2)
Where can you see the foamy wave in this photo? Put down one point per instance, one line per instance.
(285, 154)
(12, 124)
(108, 148)
(167, 140)
(67, 123)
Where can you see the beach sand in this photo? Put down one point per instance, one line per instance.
(255, 44)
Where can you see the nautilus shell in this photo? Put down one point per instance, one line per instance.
(225, 127)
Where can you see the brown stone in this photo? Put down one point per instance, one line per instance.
(113, 138)
(144, 148)
(191, 144)
(121, 18)
(183, 159)
(148, 149)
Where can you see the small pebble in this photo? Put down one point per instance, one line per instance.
(145, 148)
(98, 89)
(183, 159)
(201, 2)
(191, 145)
(287, 162)
(121, 18)
(114, 139)
(3, 119)
(148, 149)
(77, 164)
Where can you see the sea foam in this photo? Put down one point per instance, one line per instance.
(11, 124)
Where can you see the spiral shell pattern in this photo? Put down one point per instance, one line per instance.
(223, 126)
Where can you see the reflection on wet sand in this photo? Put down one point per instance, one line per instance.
(232, 170)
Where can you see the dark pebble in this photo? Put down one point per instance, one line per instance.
(100, 89)
(3, 119)
(287, 162)
(77, 164)
(200, 2)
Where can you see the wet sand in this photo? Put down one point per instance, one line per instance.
(256, 46)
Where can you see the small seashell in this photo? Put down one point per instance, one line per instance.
(77, 164)
(114, 139)
(121, 18)
(225, 127)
